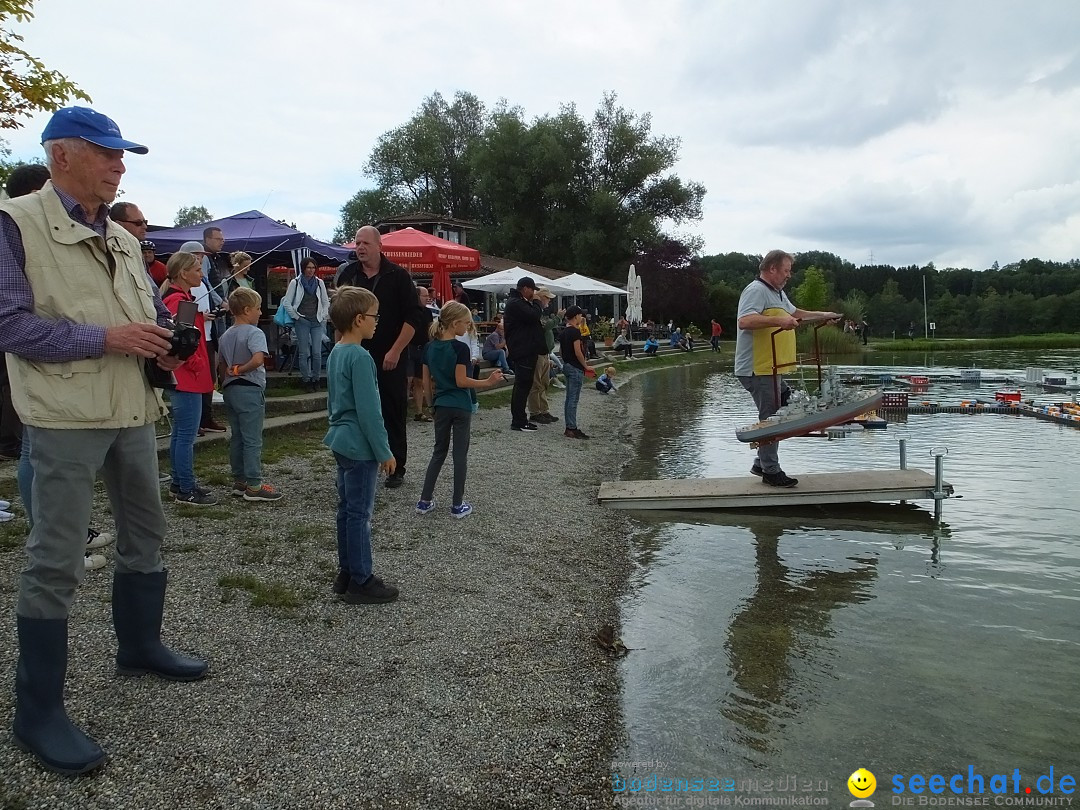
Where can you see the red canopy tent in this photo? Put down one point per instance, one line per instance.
(423, 252)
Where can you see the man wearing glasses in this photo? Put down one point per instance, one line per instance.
(77, 342)
(130, 218)
(400, 316)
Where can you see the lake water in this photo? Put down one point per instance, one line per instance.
(815, 642)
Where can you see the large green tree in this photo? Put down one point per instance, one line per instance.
(428, 160)
(26, 85)
(559, 190)
(191, 215)
(813, 293)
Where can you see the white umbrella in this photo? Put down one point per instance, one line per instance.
(505, 280)
(638, 300)
(583, 285)
(633, 302)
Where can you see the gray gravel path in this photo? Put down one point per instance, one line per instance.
(480, 688)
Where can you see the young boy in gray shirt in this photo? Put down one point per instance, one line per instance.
(241, 365)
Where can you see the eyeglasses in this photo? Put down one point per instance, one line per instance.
(373, 317)
(142, 223)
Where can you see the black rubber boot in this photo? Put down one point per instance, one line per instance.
(41, 725)
(138, 603)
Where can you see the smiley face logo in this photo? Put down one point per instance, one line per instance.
(861, 783)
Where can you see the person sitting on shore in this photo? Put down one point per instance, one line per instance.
(676, 339)
(624, 342)
(605, 383)
(495, 349)
(651, 345)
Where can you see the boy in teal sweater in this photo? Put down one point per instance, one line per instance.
(358, 438)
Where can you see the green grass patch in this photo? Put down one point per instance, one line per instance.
(500, 398)
(1051, 341)
(263, 593)
(289, 389)
(301, 534)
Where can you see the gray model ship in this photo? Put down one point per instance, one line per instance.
(805, 413)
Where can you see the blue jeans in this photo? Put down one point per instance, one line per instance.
(309, 341)
(498, 358)
(246, 407)
(575, 378)
(356, 501)
(25, 477)
(186, 412)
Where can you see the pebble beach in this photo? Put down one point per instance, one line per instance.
(481, 687)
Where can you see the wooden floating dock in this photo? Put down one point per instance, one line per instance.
(748, 492)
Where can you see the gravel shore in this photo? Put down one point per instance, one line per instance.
(480, 688)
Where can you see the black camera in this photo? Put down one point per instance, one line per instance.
(184, 343)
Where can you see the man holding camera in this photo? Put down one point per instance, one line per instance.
(76, 340)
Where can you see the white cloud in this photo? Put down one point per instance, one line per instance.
(918, 131)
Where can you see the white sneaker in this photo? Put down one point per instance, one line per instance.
(94, 561)
(5, 505)
(5, 516)
(96, 539)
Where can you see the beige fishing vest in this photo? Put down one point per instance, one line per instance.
(68, 270)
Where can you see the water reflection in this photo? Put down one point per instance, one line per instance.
(788, 640)
(788, 610)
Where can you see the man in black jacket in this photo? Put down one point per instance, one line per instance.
(525, 342)
(400, 315)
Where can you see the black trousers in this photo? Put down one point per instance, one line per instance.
(394, 394)
(519, 399)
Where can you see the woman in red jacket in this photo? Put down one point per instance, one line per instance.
(193, 379)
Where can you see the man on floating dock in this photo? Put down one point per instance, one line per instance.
(764, 308)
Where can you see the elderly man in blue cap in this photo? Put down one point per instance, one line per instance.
(79, 318)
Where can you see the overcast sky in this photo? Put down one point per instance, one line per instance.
(909, 130)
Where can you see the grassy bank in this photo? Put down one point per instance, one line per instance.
(1052, 341)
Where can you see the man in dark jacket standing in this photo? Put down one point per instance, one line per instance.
(400, 314)
(524, 335)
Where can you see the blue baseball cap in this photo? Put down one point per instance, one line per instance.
(90, 125)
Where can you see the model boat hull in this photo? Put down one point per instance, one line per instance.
(800, 424)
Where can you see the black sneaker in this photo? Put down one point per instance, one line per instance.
(580, 434)
(196, 498)
(756, 470)
(528, 427)
(174, 489)
(394, 481)
(341, 582)
(778, 479)
(372, 592)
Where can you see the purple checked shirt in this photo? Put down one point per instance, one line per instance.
(24, 333)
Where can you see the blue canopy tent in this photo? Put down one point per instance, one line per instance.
(269, 243)
(252, 232)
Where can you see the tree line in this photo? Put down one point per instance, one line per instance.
(1032, 296)
(597, 193)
